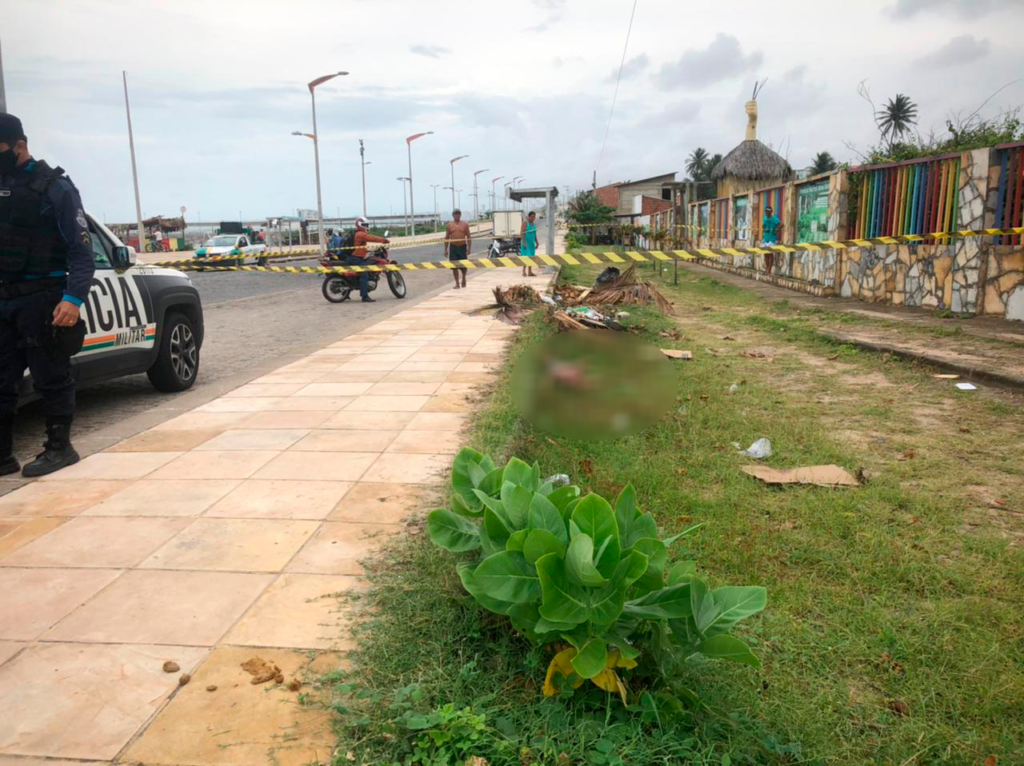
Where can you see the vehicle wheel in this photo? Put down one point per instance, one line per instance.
(177, 363)
(397, 283)
(335, 290)
(261, 260)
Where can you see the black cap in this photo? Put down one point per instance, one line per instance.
(10, 129)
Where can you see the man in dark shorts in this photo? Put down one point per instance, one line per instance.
(457, 244)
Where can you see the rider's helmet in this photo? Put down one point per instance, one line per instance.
(362, 223)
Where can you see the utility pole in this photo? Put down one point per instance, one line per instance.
(437, 216)
(135, 173)
(476, 197)
(362, 162)
(3, 96)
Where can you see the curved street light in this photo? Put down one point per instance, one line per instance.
(453, 160)
(312, 84)
(408, 145)
(476, 198)
(493, 193)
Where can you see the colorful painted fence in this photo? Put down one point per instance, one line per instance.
(720, 218)
(918, 197)
(1009, 210)
(774, 198)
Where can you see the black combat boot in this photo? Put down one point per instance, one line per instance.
(57, 450)
(8, 463)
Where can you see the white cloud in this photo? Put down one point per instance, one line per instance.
(961, 50)
(430, 51)
(723, 59)
(965, 9)
(631, 68)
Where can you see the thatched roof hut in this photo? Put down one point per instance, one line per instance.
(751, 165)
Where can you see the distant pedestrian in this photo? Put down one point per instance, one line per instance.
(457, 244)
(771, 229)
(528, 241)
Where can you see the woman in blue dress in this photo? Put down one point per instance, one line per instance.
(528, 241)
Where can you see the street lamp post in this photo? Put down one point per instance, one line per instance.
(494, 196)
(452, 187)
(476, 198)
(515, 183)
(437, 217)
(362, 164)
(408, 145)
(135, 175)
(316, 154)
(405, 207)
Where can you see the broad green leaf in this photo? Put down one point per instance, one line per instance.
(496, 526)
(492, 482)
(705, 610)
(590, 658)
(488, 543)
(472, 587)
(491, 502)
(524, 617)
(579, 562)
(619, 637)
(657, 557)
(540, 542)
(546, 626)
(476, 473)
(562, 497)
(725, 647)
(636, 564)
(687, 637)
(625, 510)
(521, 474)
(734, 604)
(641, 527)
(564, 601)
(672, 602)
(467, 464)
(682, 571)
(567, 513)
(462, 507)
(453, 532)
(517, 540)
(507, 577)
(544, 515)
(516, 502)
(593, 516)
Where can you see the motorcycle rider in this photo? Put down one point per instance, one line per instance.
(358, 256)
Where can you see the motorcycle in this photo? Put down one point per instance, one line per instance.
(503, 246)
(337, 288)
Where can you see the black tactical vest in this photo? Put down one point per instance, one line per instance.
(30, 243)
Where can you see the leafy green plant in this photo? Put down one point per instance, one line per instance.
(565, 568)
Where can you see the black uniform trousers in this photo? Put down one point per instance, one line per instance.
(25, 329)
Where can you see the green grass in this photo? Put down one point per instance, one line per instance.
(893, 629)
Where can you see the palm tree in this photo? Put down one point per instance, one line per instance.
(823, 163)
(712, 161)
(695, 165)
(895, 118)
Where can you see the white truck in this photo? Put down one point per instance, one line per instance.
(508, 225)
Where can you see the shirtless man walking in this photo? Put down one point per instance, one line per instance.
(457, 244)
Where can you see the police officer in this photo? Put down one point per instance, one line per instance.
(46, 269)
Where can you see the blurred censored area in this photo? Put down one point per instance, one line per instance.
(593, 385)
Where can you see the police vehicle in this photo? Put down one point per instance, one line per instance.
(138, 319)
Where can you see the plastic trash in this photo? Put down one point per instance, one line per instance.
(585, 311)
(967, 386)
(734, 388)
(548, 300)
(558, 480)
(621, 314)
(759, 450)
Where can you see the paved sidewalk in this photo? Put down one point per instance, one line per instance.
(988, 348)
(218, 537)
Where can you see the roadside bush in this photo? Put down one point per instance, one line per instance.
(587, 578)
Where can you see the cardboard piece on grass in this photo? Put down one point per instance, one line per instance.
(672, 353)
(946, 376)
(967, 386)
(819, 475)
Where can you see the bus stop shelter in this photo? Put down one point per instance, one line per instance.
(548, 194)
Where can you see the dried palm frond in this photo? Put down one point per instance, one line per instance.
(627, 290)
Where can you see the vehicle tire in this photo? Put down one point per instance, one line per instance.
(335, 290)
(261, 260)
(397, 283)
(177, 362)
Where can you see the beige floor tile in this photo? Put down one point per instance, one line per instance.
(202, 421)
(336, 352)
(160, 607)
(437, 421)
(233, 545)
(310, 419)
(383, 503)
(241, 724)
(403, 389)
(458, 388)
(113, 465)
(215, 465)
(377, 366)
(240, 404)
(279, 499)
(264, 390)
(57, 498)
(351, 376)
(164, 497)
(164, 441)
(324, 466)
(7, 650)
(288, 377)
(301, 611)
(314, 403)
(33, 600)
(249, 439)
(370, 403)
(476, 357)
(415, 376)
(334, 389)
(448, 403)
(17, 533)
(476, 367)
(368, 421)
(338, 547)
(337, 440)
(17, 760)
(409, 440)
(427, 366)
(471, 377)
(435, 356)
(97, 542)
(80, 701)
(408, 468)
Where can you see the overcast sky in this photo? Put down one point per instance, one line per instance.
(523, 87)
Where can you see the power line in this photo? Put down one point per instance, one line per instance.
(618, 79)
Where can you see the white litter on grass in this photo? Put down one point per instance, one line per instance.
(734, 388)
(558, 480)
(967, 386)
(759, 450)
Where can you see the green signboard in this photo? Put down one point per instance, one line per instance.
(812, 211)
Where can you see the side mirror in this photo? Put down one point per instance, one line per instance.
(123, 257)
